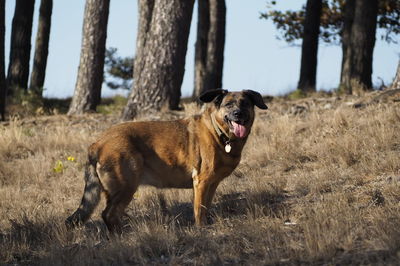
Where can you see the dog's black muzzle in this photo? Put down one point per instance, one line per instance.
(238, 116)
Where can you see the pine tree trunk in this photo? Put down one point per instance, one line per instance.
(357, 69)
(20, 47)
(209, 54)
(158, 81)
(363, 42)
(145, 15)
(216, 43)
(145, 10)
(200, 57)
(346, 47)
(396, 81)
(87, 93)
(3, 85)
(41, 46)
(309, 48)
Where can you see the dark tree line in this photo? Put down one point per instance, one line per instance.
(159, 62)
(352, 22)
(20, 48)
(161, 45)
(158, 67)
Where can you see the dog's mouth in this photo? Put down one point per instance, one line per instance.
(237, 127)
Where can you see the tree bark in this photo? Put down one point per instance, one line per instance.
(363, 42)
(87, 93)
(3, 84)
(159, 78)
(396, 81)
(145, 16)
(346, 47)
(200, 57)
(20, 47)
(309, 48)
(356, 76)
(41, 46)
(209, 53)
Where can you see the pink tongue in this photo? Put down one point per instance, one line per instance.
(238, 130)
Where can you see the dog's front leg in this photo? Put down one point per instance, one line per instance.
(201, 188)
(210, 194)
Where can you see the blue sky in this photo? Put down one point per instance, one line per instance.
(254, 58)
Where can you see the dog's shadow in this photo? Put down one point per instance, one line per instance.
(227, 206)
(249, 204)
(180, 214)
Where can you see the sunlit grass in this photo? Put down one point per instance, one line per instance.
(319, 186)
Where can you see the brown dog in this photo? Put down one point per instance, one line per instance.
(195, 152)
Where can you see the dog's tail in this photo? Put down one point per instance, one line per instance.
(91, 195)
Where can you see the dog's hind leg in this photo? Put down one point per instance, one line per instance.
(119, 184)
(115, 209)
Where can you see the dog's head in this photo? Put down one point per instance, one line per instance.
(234, 111)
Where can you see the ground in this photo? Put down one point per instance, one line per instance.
(319, 183)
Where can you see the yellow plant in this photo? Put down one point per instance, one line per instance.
(71, 158)
(59, 168)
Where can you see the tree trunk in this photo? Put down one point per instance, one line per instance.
(363, 42)
(209, 54)
(346, 47)
(309, 48)
(396, 81)
(3, 85)
(158, 81)
(41, 46)
(87, 93)
(200, 57)
(20, 47)
(145, 16)
(360, 47)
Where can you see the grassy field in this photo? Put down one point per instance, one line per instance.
(319, 183)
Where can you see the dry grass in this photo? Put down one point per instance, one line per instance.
(319, 183)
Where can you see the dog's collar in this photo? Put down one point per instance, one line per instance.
(222, 135)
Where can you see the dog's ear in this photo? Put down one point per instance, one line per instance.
(210, 95)
(256, 98)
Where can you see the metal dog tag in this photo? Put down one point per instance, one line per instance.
(228, 148)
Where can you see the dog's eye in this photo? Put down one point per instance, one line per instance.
(228, 104)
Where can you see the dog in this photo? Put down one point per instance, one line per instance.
(196, 152)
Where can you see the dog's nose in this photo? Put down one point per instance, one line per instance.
(237, 113)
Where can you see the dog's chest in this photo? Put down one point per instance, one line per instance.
(225, 164)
